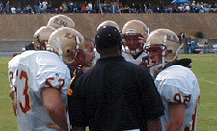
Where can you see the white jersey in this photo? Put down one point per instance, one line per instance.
(137, 61)
(127, 57)
(178, 84)
(29, 72)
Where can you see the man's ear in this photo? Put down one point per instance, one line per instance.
(120, 46)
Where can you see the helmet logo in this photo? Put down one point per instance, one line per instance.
(70, 36)
(60, 22)
(131, 31)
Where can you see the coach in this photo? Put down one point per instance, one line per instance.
(115, 94)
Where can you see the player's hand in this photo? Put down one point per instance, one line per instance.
(55, 126)
(143, 38)
(12, 94)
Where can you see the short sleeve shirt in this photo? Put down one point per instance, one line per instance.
(115, 95)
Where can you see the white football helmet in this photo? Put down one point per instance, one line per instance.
(131, 32)
(108, 23)
(41, 37)
(68, 43)
(163, 47)
(61, 21)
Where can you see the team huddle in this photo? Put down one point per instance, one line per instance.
(129, 79)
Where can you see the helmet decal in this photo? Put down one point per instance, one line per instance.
(60, 22)
(131, 31)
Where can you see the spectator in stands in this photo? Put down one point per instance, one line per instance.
(65, 7)
(180, 8)
(162, 7)
(201, 8)
(50, 9)
(187, 9)
(13, 10)
(79, 7)
(170, 9)
(206, 47)
(141, 8)
(174, 7)
(7, 7)
(188, 45)
(133, 8)
(19, 8)
(193, 6)
(37, 5)
(1, 7)
(197, 9)
(121, 5)
(83, 9)
(44, 6)
(193, 46)
(29, 9)
(89, 7)
(70, 7)
(156, 9)
(75, 7)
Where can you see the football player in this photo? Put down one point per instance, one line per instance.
(134, 34)
(41, 80)
(41, 37)
(176, 83)
(58, 21)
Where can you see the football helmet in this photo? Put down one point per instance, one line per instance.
(163, 47)
(61, 21)
(41, 37)
(132, 31)
(108, 23)
(68, 43)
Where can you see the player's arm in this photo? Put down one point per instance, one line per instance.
(177, 113)
(55, 107)
(154, 125)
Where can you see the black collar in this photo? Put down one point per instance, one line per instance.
(111, 58)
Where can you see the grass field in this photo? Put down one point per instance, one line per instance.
(204, 66)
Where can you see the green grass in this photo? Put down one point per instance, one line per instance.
(204, 66)
(8, 121)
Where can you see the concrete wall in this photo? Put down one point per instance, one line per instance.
(21, 27)
(13, 46)
(17, 30)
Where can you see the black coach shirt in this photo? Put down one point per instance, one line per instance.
(115, 95)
